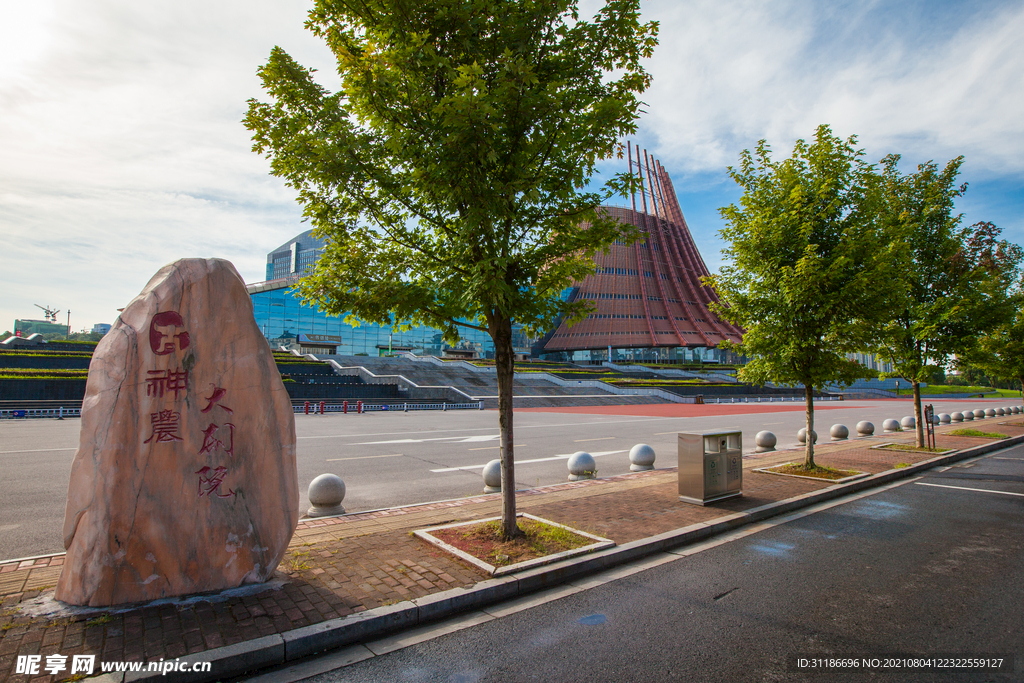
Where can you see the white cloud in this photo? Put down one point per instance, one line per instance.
(728, 74)
(122, 148)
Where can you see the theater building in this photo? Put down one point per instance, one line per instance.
(650, 304)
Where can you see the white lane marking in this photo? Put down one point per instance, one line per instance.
(1008, 458)
(39, 450)
(664, 433)
(366, 457)
(602, 438)
(565, 456)
(450, 439)
(494, 448)
(965, 488)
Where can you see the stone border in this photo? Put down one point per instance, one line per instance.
(599, 544)
(768, 470)
(235, 660)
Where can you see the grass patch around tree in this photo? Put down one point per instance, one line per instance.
(912, 448)
(977, 433)
(818, 471)
(483, 541)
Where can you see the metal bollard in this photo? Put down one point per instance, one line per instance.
(322, 404)
(359, 407)
(344, 407)
(307, 407)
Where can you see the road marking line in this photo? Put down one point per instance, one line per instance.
(522, 462)
(664, 433)
(964, 488)
(603, 438)
(39, 450)
(366, 457)
(495, 448)
(1008, 458)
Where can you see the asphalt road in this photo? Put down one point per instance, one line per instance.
(932, 568)
(390, 459)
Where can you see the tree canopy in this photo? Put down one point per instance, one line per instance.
(448, 170)
(951, 281)
(809, 272)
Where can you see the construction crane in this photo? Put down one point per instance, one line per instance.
(51, 314)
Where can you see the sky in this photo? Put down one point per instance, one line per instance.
(122, 147)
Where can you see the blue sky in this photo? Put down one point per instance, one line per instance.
(121, 147)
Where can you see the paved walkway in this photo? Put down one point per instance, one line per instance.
(340, 566)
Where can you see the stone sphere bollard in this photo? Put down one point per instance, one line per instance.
(801, 436)
(891, 425)
(765, 441)
(641, 457)
(581, 466)
(990, 412)
(1000, 412)
(839, 432)
(908, 422)
(979, 414)
(492, 476)
(865, 428)
(968, 415)
(957, 417)
(1016, 410)
(325, 495)
(946, 418)
(935, 419)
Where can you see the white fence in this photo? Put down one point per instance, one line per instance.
(357, 407)
(58, 413)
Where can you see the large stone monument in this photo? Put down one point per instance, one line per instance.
(184, 480)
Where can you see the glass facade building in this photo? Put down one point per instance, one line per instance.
(282, 317)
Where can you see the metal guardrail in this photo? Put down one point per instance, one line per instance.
(767, 399)
(355, 407)
(57, 413)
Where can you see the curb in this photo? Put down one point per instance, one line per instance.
(235, 660)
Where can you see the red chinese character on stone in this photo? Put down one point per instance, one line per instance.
(210, 480)
(165, 426)
(166, 380)
(158, 339)
(211, 442)
(218, 394)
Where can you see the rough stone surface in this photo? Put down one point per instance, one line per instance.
(839, 432)
(980, 414)
(865, 428)
(581, 466)
(945, 418)
(492, 476)
(325, 494)
(968, 415)
(765, 441)
(908, 422)
(801, 436)
(891, 425)
(641, 457)
(957, 417)
(184, 480)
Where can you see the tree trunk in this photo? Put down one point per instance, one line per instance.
(504, 358)
(809, 397)
(918, 414)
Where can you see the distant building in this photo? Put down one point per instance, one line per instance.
(649, 300)
(101, 328)
(294, 257)
(23, 328)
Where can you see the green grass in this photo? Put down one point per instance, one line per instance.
(975, 432)
(940, 389)
(912, 447)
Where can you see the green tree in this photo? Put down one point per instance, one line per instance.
(447, 171)
(809, 270)
(1000, 353)
(952, 280)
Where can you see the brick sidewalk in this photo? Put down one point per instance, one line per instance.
(339, 566)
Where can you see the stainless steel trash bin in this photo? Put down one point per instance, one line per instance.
(710, 466)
